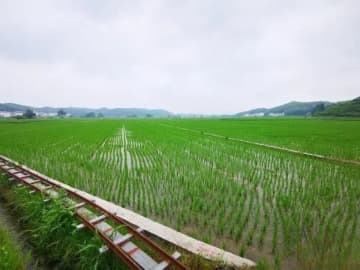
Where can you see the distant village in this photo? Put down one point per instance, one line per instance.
(261, 114)
(62, 114)
(33, 114)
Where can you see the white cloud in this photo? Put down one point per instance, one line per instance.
(185, 56)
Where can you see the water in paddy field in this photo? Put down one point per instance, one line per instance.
(275, 198)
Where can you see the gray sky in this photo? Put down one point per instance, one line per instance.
(185, 56)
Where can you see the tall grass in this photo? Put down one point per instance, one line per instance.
(11, 256)
(51, 232)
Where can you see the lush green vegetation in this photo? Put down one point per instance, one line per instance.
(293, 108)
(51, 233)
(283, 209)
(341, 109)
(335, 138)
(11, 257)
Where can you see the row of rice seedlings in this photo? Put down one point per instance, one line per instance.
(216, 187)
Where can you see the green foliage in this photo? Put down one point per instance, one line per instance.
(248, 198)
(10, 254)
(336, 138)
(51, 232)
(29, 114)
(341, 109)
(293, 108)
(262, 264)
(61, 113)
(318, 109)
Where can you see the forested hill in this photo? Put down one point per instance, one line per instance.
(349, 108)
(293, 108)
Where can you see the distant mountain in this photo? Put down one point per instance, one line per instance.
(12, 107)
(79, 112)
(117, 112)
(293, 108)
(317, 108)
(349, 108)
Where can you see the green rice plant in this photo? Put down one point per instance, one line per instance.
(275, 202)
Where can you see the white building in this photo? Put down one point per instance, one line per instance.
(10, 114)
(277, 114)
(5, 114)
(45, 115)
(254, 114)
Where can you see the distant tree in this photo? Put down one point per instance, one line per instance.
(61, 113)
(148, 115)
(318, 109)
(90, 115)
(29, 114)
(100, 115)
(357, 99)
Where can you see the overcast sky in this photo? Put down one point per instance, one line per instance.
(184, 56)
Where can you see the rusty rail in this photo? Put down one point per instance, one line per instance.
(135, 257)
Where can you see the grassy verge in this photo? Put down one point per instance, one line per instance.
(11, 257)
(50, 230)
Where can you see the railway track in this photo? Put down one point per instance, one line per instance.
(125, 244)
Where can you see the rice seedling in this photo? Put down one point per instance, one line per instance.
(253, 200)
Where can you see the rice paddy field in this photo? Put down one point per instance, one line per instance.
(281, 209)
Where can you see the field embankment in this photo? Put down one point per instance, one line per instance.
(336, 138)
(275, 147)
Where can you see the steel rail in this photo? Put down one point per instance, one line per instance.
(118, 251)
(130, 227)
(21, 179)
(113, 216)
